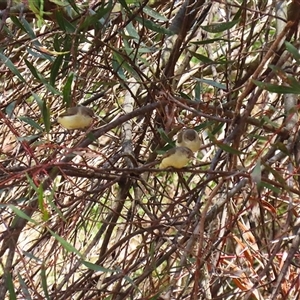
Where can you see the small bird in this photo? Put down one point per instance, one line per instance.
(77, 117)
(177, 157)
(189, 138)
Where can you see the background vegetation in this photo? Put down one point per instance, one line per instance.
(88, 214)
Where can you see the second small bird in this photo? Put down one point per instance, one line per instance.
(77, 117)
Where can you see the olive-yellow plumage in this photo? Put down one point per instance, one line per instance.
(78, 117)
(177, 157)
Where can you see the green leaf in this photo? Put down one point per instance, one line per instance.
(45, 111)
(154, 14)
(204, 125)
(256, 173)
(258, 137)
(164, 136)
(40, 55)
(64, 24)
(67, 91)
(74, 6)
(38, 100)
(30, 32)
(123, 64)
(31, 256)
(117, 68)
(219, 27)
(290, 80)
(96, 268)
(124, 5)
(198, 91)
(210, 41)
(229, 149)
(67, 246)
(202, 58)
(91, 136)
(50, 88)
(271, 187)
(282, 147)
(31, 183)
(222, 146)
(55, 68)
(169, 142)
(216, 129)
(279, 89)
(24, 288)
(46, 117)
(9, 64)
(293, 50)
(212, 83)
(39, 76)
(132, 32)
(278, 177)
(41, 204)
(31, 122)
(94, 18)
(17, 22)
(10, 286)
(37, 7)
(153, 26)
(51, 203)
(10, 108)
(32, 69)
(21, 214)
(44, 282)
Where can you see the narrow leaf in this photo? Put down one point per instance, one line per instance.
(24, 288)
(44, 282)
(10, 285)
(67, 90)
(219, 27)
(55, 69)
(212, 83)
(67, 246)
(96, 268)
(154, 14)
(153, 26)
(30, 122)
(11, 66)
(21, 214)
(256, 173)
(293, 50)
(279, 89)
